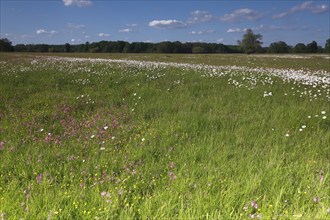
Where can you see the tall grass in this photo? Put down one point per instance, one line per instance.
(93, 140)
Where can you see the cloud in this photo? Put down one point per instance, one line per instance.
(202, 32)
(42, 31)
(126, 30)
(265, 28)
(220, 40)
(242, 14)
(75, 26)
(76, 40)
(199, 17)
(234, 30)
(131, 25)
(167, 24)
(103, 35)
(306, 6)
(79, 3)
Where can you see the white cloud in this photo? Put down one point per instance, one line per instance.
(306, 6)
(126, 30)
(199, 17)
(242, 14)
(220, 40)
(79, 3)
(75, 26)
(103, 35)
(42, 31)
(131, 25)
(202, 32)
(234, 30)
(76, 40)
(167, 24)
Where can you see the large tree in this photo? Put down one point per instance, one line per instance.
(327, 46)
(278, 47)
(251, 43)
(312, 47)
(300, 48)
(5, 45)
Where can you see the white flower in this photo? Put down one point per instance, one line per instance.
(304, 126)
(105, 127)
(93, 136)
(102, 148)
(143, 139)
(324, 117)
(309, 116)
(322, 112)
(300, 129)
(134, 94)
(287, 135)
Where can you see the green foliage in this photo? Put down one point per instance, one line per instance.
(5, 45)
(312, 47)
(327, 46)
(106, 140)
(278, 47)
(251, 43)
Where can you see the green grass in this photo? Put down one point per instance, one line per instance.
(83, 140)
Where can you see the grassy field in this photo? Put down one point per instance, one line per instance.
(182, 137)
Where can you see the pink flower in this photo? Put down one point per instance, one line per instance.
(172, 165)
(254, 204)
(39, 178)
(2, 145)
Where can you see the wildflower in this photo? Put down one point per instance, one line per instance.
(321, 178)
(245, 208)
(304, 126)
(105, 127)
(316, 199)
(254, 204)
(328, 211)
(92, 136)
(102, 148)
(172, 165)
(287, 135)
(323, 112)
(143, 139)
(120, 192)
(39, 178)
(2, 145)
(172, 176)
(324, 117)
(103, 193)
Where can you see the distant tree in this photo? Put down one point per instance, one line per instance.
(278, 47)
(327, 46)
(300, 48)
(67, 48)
(312, 47)
(20, 48)
(251, 43)
(5, 45)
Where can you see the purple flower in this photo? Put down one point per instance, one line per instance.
(39, 178)
(103, 193)
(172, 165)
(254, 204)
(2, 145)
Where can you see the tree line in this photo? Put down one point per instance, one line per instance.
(251, 43)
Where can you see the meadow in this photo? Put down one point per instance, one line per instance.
(164, 136)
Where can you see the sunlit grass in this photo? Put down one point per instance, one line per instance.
(97, 140)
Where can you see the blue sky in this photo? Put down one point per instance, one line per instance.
(78, 21)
